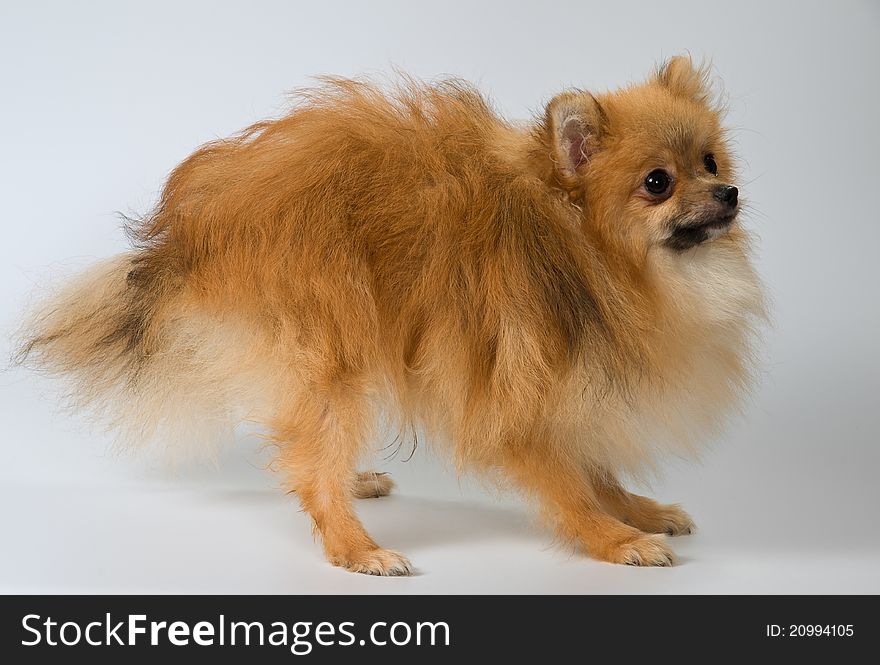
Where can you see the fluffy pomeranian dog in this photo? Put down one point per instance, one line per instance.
(556, 303)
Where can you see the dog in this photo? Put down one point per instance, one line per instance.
(554, 303)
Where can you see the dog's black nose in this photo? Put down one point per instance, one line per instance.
(726, 194)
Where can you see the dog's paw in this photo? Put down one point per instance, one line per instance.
(372, 484)
(377, 561)
(663, 518)
(645, 550)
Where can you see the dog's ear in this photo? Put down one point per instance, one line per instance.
(684, 79)
(574, 123)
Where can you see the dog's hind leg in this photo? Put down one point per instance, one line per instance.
(372, 485)
(320, 438)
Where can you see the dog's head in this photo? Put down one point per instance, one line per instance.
(649, 162)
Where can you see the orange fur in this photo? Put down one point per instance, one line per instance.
(514, 292)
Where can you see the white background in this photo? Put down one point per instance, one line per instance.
(101, 99)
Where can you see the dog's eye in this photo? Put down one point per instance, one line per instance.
(658, 182)
(709, 163)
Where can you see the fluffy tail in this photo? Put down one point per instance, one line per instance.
(134, 359)
(92, 331)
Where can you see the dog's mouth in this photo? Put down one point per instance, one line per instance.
(696, 233)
